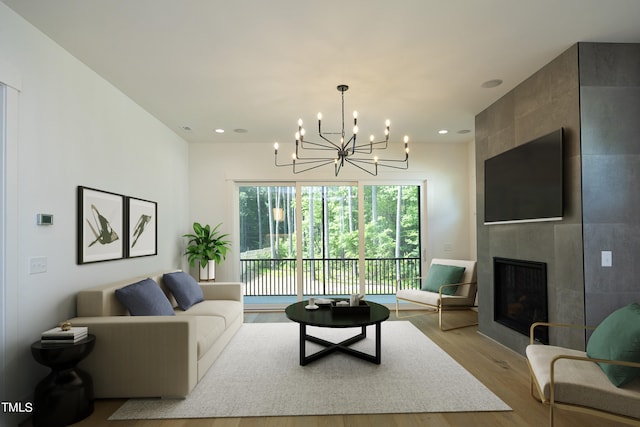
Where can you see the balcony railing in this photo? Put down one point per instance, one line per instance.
(326, 276)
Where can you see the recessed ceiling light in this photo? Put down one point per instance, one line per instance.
(443, 131)
(491, 83)
(185, 128)
(219, 130)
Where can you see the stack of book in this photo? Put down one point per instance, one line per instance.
(59, 336)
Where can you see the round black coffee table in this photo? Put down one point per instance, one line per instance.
(327, 318)
(65, 396)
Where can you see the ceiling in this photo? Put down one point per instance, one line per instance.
(253, 68)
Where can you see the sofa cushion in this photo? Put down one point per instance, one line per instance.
(145, 298)
(209, 329)
(618, 338)
(227, 309)
(439, 275)
(184, 288)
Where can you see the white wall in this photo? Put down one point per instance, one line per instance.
(69, 127)
(215, 168)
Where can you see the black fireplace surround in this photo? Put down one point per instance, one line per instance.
(520, 295)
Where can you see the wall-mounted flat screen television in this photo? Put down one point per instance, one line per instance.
(525, 184)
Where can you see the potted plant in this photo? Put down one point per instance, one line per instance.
(208, 247)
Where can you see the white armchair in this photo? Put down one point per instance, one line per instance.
(570, 379)
(450, 296)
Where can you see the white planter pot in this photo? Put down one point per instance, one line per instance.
(208, 272)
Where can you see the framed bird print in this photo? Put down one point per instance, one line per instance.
(142, 224)
(101, 229)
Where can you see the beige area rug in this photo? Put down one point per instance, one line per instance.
(258, 374)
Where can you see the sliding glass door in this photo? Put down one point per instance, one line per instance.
(391, 236)
(328, 240)
(268, 250)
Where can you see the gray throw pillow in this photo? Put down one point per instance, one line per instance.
(145, 298)
(184, 288)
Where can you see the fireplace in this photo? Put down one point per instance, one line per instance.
(520, 295)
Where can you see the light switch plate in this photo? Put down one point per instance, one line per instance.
(38, 265)
(606, 258)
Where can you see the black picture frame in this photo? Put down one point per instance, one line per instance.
(101, 225)
(142, 227)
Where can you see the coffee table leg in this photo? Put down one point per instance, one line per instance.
(303, 339)
(342, 346)
(378, 357)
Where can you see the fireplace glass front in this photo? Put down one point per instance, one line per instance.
(520, 295)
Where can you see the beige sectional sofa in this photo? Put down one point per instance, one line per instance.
(156, 356)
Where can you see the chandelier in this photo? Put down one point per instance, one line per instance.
(343, 151)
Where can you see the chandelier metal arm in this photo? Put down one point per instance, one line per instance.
(362, 148)
(307, 165)
(333, 144)
(375, 173)
(319, 145)
(308, 168)
(379, 163)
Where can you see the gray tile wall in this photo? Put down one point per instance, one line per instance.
(610, 116)
(593, 91)
(546, 101)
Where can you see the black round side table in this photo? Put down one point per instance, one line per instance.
(65, 396)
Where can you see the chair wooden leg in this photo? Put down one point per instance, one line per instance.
(531, 387)
(431, 311)
(440, 310)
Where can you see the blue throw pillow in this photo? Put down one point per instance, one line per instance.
(184, 288)
(439, 275)
(145, 298)
(618, 338)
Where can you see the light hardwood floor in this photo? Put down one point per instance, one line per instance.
(500, 369)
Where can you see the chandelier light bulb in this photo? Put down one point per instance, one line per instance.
(297, 136)
(387, 123)
(319, 116)
(371, 138)
(299, 122)
(293, 156)
(275, 146)
(406, 139)
(375, 159)
(302, 132)
(355, 114)
(355, 129)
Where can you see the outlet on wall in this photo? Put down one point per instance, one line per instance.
(38, 265)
